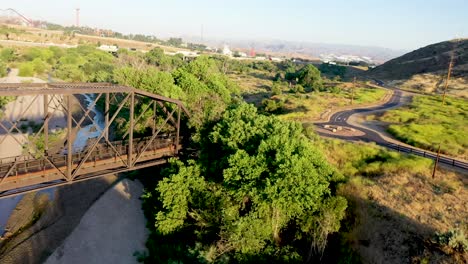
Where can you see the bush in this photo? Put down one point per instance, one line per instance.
(332, 70)
(7, 54)
(38, 53)
(297, 89)
(309, 77)
(454, 238)
(276, 88)
(334, 90)
(26, 69)
(39, 66)
(273, 106)
(70, 72)
(3, 69)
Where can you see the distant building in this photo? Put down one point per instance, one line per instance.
(275, 59)
(187, 53)
(210, 49)
(242, 54)
(345, 59)
(227, 51)
(252, 52)
(108, 48)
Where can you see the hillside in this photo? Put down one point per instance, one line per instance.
(426, 68)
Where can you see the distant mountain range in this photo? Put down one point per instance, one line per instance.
(280, 47)
(378, 54)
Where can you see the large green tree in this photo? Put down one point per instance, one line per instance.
(260, 191)
(208, 91)
(309, 77)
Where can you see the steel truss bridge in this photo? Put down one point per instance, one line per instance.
(149, 128)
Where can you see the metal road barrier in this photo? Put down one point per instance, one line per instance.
(427, 154)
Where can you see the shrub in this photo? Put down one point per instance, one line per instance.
(273, 106)
(3, 69)
(7, 54)
(454, 238)
(26, 69)
(39, 66)
(276, 88)
(297, 89)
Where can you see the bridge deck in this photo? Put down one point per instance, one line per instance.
(20, 174)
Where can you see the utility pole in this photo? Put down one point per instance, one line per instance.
(448, 78)
(449, 72)
(436, 162)
(352, 90)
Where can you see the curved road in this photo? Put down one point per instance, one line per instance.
(369, 135)
(341, 118)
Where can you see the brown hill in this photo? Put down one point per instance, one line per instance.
(426, 68)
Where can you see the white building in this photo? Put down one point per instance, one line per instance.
(242, 54)
(227, 51)
(276, 59)
(187, 53)
(108, 48)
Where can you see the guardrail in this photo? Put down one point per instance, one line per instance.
(26, 164)
(427, 154)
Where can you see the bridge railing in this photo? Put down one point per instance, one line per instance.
(428, 154)
(28, 164)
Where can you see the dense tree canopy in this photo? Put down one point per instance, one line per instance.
(165, 62)
(309, 77)
(260, 191)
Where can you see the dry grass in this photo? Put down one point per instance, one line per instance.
(397, 207)
(396, 216)
(431, 83)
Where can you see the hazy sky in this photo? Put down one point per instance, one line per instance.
(397, 24)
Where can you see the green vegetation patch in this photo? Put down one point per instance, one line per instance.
(371, 160)
(7, 31)
(426, 123)
(310, 106)
(260, 192)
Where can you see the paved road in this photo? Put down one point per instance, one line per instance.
(341, 119)
(369, 135)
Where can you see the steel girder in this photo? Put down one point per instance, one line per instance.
(149, 125)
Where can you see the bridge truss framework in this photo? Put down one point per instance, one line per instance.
(152, 134)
